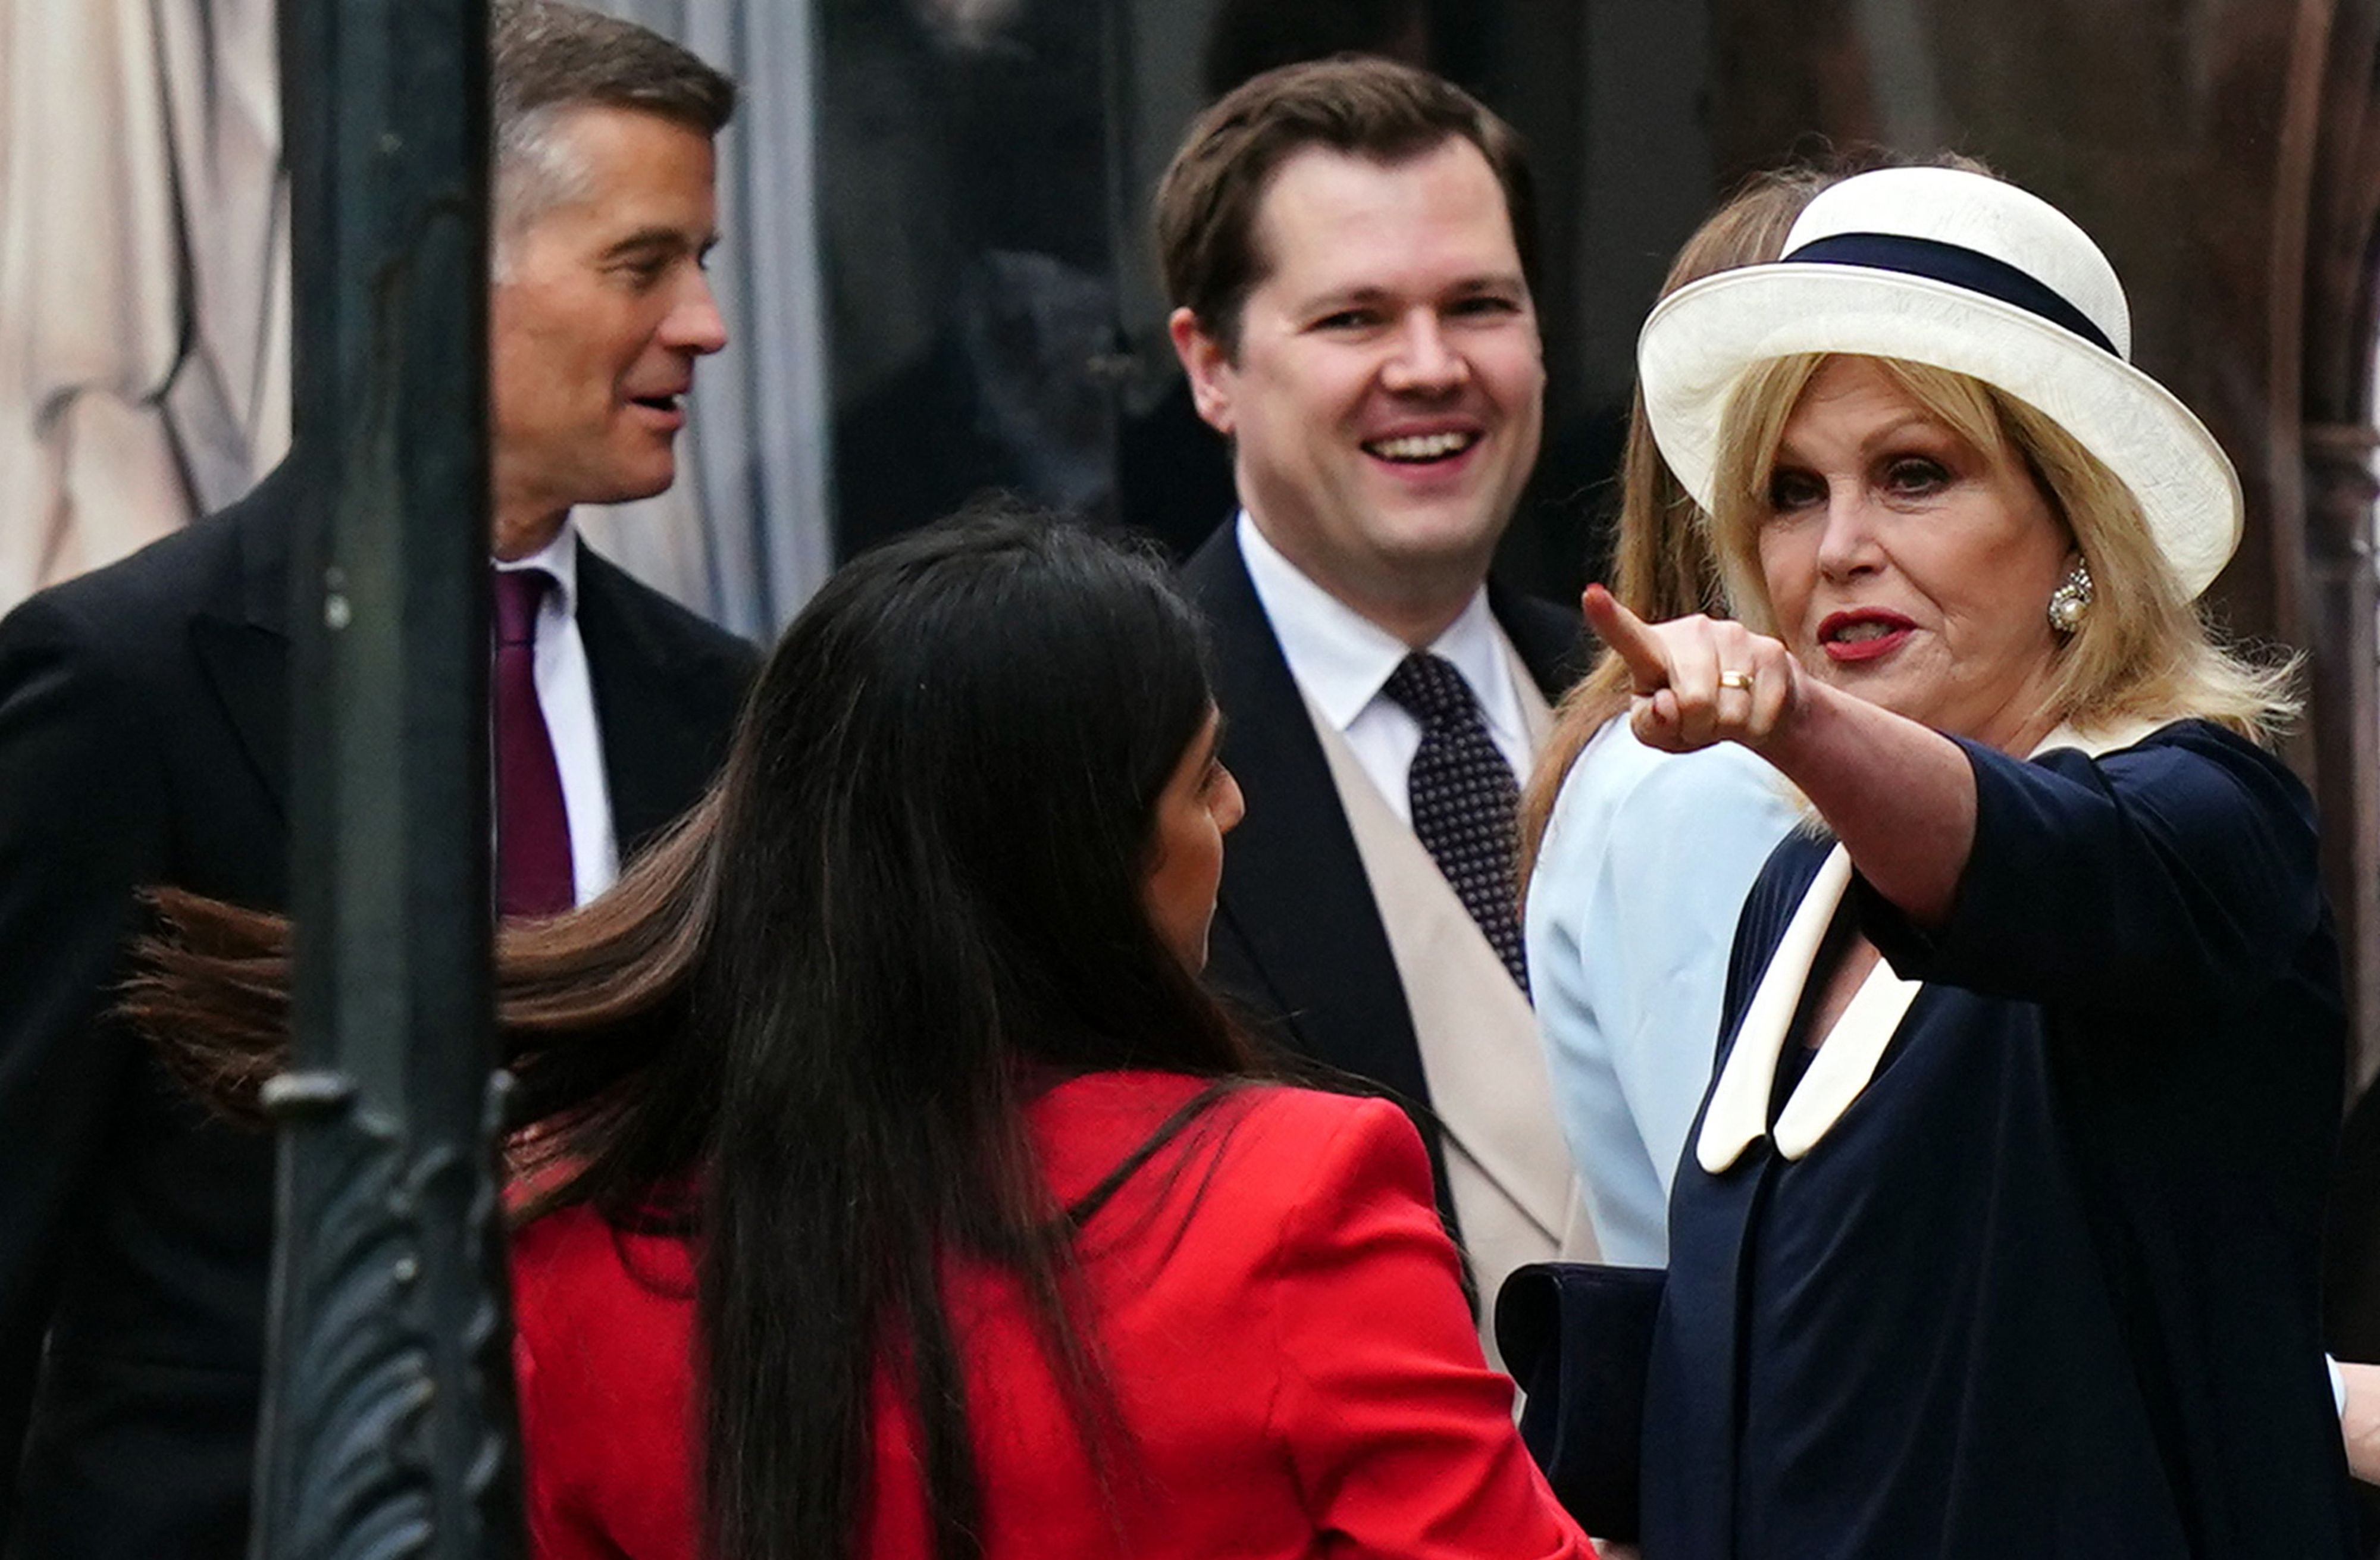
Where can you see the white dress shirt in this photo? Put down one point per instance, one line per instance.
(566, 696)
(1340, 659)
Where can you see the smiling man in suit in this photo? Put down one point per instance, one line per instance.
(144, 739)
(1346, 245)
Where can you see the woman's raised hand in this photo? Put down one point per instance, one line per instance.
(1699, 679)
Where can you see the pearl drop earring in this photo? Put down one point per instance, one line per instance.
(2070, 602)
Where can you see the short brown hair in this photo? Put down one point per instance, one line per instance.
(1206, 203)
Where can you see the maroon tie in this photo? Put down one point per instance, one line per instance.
(532, 828)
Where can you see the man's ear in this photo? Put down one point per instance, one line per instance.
(1208, 366)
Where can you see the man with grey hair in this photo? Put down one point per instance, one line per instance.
(143, 738)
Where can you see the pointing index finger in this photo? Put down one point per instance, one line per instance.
(1637, 647)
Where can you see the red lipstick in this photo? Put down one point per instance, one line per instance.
(1864, 633)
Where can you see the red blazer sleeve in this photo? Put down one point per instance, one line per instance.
(605, 1394)
(551, 1535)
(1401, 1436)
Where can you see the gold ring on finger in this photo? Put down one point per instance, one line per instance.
(1736, 680)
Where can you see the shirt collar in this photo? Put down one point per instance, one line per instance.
(1341, 657)
(558, 558)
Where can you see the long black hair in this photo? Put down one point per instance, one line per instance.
(941, 812)
(804, 1030)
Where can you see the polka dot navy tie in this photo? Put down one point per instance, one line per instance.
(1464, 800)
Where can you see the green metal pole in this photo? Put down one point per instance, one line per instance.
(387, 1424)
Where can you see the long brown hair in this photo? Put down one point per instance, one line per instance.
(806, 1025)
(1662, 565)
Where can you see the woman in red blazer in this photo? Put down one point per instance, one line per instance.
(1273, 1302)
(935, 1209)
(893, 1188)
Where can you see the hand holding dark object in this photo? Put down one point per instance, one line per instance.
(1578, 1337)
(2358, 1421)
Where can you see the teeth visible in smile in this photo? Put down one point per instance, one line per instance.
(1422, 446)
(1856, 631)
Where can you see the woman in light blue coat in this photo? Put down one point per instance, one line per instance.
(1636, 862)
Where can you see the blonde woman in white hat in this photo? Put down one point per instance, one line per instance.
(1997, 1232)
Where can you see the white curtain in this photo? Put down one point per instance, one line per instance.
(144, 298)
(144, 284)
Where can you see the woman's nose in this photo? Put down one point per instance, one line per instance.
(1848, 542)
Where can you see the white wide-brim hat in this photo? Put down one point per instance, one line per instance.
(1962, 271)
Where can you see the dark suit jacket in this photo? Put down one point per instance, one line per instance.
(1296, 935)
(2047, 1287)
(144, 739)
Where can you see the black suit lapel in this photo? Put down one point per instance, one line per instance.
(1546, 636)
(248, 668)
(1297, 929)
(241, 640)
(660, 745)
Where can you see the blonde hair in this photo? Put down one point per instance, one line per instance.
(1662, 565)
(2144, 651)
(1661, 561)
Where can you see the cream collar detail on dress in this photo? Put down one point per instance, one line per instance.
(1848, 1059)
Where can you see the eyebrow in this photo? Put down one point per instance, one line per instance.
(1468, 286)
(1492, 282)
(1890, 431)
(659, 237)
(1923, 421)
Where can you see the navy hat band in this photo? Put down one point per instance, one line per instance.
(1957, 265)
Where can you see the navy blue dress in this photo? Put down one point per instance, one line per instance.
(2048, 1285)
